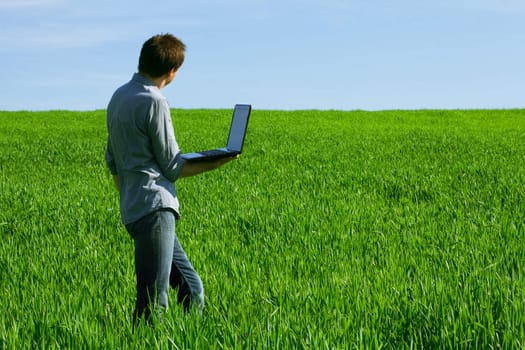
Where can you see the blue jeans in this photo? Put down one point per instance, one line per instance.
(161, 262)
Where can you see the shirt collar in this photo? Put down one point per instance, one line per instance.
(139, 78)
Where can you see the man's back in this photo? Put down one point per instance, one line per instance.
(142, 149)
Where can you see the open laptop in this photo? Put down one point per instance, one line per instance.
(238, 126)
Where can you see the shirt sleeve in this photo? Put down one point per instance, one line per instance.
(165, 147)
(110, 161)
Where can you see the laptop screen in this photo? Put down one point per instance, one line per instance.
(238, 127)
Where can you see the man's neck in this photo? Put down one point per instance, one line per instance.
(163, 80)
(159, 82)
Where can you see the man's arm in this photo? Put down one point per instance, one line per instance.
(192, 169)
(110, 162)
(162, 136)
(115, 179)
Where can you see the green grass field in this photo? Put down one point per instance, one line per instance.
(335, 230)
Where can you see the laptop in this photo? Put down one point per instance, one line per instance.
(238, 126)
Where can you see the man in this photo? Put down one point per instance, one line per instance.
(145, 161)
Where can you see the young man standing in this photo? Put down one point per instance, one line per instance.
(145, 161)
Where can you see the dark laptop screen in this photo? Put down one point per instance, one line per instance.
(238, 127)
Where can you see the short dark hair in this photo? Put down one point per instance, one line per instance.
(160, 54)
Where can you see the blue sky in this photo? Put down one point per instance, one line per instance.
(274, 54)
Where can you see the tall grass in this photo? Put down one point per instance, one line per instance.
(393, 229)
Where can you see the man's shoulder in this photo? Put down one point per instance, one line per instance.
(135, 94)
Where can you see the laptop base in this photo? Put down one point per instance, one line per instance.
(210, 155)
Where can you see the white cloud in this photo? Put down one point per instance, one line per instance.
(506, 6)
(57, 36)
(514, 7)
(21, 4)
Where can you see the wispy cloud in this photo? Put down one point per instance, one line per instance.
(60, 35)
(513, 7)
(505, 6)
(21, 4)
(32, 25)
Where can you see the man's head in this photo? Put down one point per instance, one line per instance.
(160, 54)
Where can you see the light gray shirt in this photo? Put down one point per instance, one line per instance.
(142, 149)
